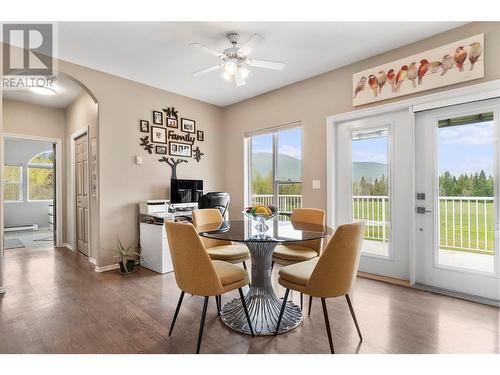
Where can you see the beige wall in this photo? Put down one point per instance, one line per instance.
(314, 99)
(32, 119)
(82, 113)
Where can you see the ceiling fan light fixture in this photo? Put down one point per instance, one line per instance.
(227, 76)
(244, 72)
(230, 67)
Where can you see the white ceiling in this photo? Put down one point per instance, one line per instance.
(66, 92)
(158, 53)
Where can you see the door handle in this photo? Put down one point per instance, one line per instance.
(422, 210)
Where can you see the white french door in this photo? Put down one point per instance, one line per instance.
(372, 181)
(457, 213)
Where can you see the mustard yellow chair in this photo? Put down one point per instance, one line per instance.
(219, 249)
(196, 274)
(291, 254)
(332, 275)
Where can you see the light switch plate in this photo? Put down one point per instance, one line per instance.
(138, 160)
(316, 184)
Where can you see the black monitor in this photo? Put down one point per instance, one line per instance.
(185, 191)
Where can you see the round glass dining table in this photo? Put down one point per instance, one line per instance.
(263, 304)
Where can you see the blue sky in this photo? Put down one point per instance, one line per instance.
(289, 143)
(370, 150)
(466, 148)
(462, 149)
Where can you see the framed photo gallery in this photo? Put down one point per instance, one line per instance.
(161, 128)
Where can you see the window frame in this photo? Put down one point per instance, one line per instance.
(276, 183)
(21, 183)
(31, 165)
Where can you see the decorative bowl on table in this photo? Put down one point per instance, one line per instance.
(261, 214)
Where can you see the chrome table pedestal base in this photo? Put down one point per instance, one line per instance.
(263, 304)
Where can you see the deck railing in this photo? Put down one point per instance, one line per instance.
(286, 203)
(467, 224)
(374, 210)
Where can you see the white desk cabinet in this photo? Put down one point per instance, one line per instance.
(154, 248)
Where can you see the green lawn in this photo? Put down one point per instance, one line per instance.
(374, 211)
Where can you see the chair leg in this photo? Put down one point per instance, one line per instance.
(327, 323)
(310, 304)
(246, 310)
(176, 313)
(353, 316)
(301, 300)
(285, 298)
(202, 325)
(217, 305)
(245, 266)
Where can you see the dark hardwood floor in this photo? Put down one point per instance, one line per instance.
(56, 303)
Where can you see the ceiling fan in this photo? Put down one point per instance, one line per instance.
(234, 60)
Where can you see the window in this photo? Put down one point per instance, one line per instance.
(13, 183)
(41, 177)
(276, 169)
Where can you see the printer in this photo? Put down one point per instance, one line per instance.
(154, 206)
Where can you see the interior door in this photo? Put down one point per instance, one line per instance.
(82, 194)
(373, 179)
(457, 169)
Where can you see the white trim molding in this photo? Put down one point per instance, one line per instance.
(111, 267)
(93, 261)
(67, 246)
(461, 95)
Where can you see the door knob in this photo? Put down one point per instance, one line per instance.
(422, 210)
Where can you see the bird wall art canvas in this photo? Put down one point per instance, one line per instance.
(453, 63)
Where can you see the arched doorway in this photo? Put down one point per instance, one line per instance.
(78, 108)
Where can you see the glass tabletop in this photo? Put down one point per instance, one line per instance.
(279, 231)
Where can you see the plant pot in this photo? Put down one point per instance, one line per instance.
(130, 267)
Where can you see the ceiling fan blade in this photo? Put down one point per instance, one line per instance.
(249, 46)
(207, 70)
(274, 65)
(206, 49)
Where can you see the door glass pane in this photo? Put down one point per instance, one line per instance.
(466, 192)
(370, 188)
(261, 147)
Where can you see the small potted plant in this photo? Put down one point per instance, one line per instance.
(126, 257)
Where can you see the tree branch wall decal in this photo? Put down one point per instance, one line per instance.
(173, 164)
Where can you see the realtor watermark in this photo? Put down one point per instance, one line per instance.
(28, 56)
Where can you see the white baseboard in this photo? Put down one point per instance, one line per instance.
(92, 260)
(110, 267)
(67, 246)
(107, 268)
(2, 289)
